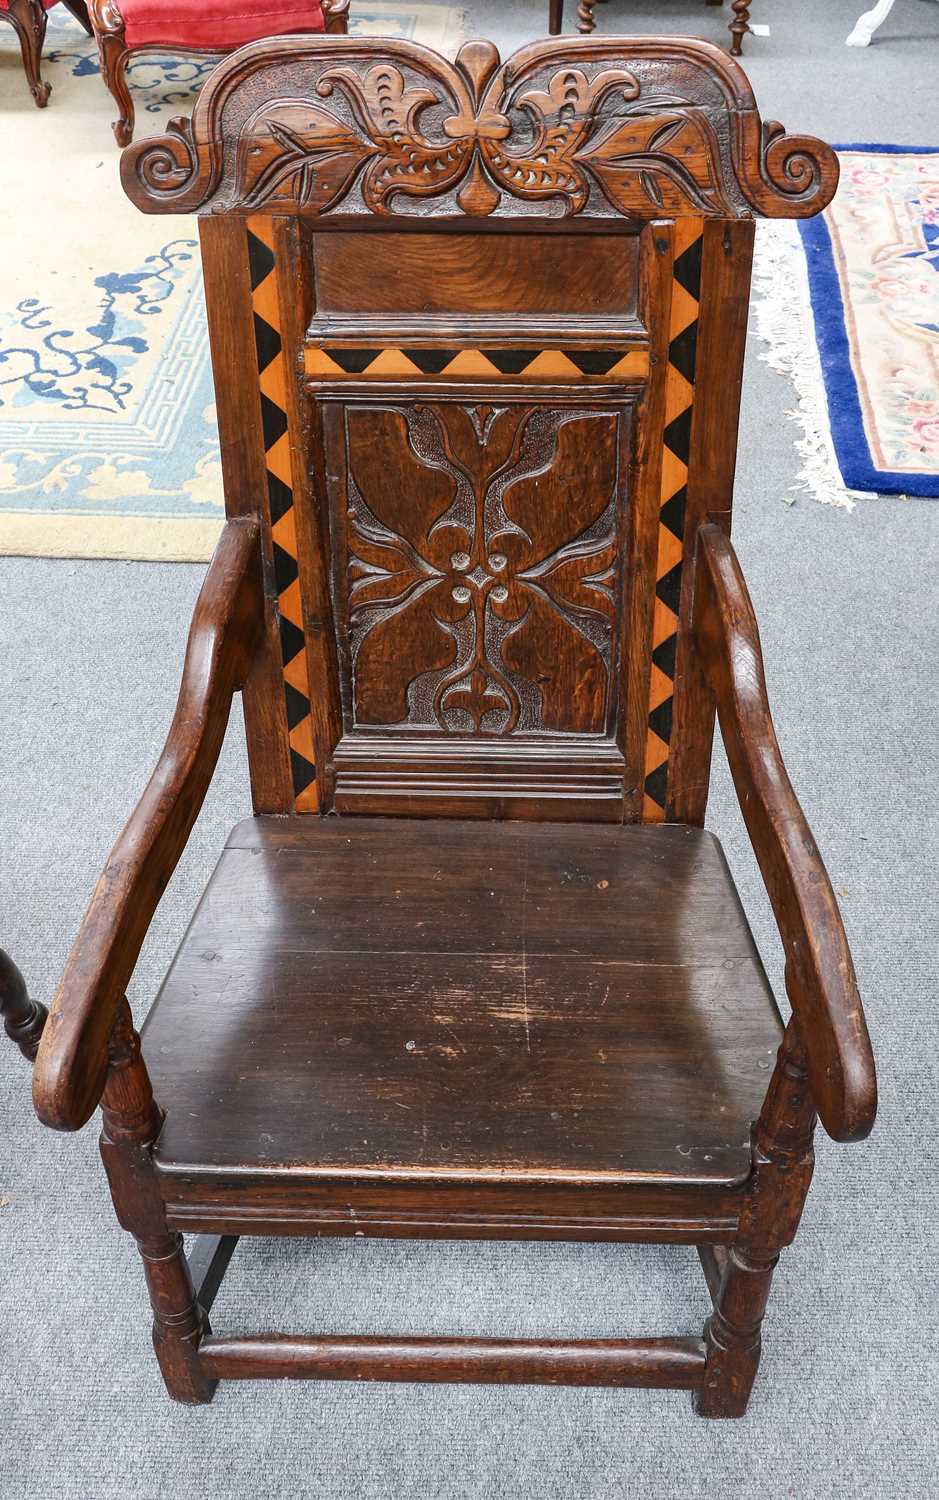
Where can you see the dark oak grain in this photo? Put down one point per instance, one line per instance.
(389, 1001)
(648, 1363)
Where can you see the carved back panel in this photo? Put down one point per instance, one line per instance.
(478, 331)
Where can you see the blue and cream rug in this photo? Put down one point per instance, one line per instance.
(108, 442)
(855, 322)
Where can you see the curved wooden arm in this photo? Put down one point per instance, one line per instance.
(73, 1057)
(820, 977)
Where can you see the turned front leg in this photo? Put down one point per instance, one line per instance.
(739, 26)
(131, 1124)
(782, 1171)
(23, 1019)
(585, 17)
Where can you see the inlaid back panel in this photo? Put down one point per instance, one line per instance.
(478, 337)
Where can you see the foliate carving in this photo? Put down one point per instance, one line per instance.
(488, 604)
(600, 127)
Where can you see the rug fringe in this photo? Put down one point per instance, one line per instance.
(784, 323)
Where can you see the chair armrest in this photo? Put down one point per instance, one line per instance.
(820, 978)
(72, 1063)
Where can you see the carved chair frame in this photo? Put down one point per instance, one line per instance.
(292, 142)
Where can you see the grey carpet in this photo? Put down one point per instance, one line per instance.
(845, 1404)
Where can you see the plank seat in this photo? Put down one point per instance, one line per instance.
(361, 1000)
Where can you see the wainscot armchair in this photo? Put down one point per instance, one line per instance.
(125, 28)
(473, 968)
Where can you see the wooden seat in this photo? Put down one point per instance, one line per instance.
(473, 969)
(517, 1002)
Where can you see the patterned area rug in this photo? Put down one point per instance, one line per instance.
(108, 443)
(855, 323)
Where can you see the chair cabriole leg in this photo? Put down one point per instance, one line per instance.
(782, 1170)
(112, 50)
(28, 18)
(23, 1019)
(131, 1124)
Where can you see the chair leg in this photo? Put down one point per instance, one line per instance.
(336, 17)
(79, 10)
(782, 1171)
(23, 1019)
(739, 26)
(585, 17)
(112, 50)
(131, 1123)
(555, 17)
(28, 18)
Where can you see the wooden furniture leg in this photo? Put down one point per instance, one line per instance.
(555, 16)
(131, 1124)
(585, 17)
(79, 10)
(867, 24)
(739, 26)
(336, 17)
(28, 19)
(112, 50)
(23, 1019)
(740, 1281)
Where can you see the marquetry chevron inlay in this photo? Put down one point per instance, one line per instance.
(601, 127)
(577, 366)
(492, 570)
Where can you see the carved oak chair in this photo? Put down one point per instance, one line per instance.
(478, 333)
(124, 28)
(586, 20)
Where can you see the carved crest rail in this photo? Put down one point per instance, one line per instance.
(603, 128)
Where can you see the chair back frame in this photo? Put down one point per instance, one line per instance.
(558, 320)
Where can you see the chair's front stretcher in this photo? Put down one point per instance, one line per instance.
(476, 568)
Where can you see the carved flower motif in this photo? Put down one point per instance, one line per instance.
(481, 596)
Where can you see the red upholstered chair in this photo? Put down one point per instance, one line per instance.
(123, 27)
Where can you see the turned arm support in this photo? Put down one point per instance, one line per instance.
(820, 978)
(72, 1065)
